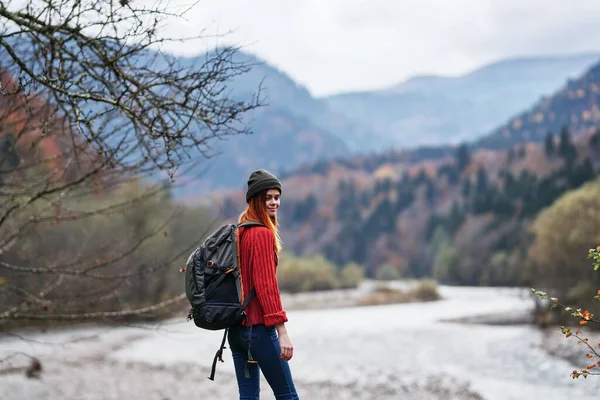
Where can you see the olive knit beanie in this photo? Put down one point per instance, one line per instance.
(261, 180)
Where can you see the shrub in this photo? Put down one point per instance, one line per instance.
(426, 290)
(387, 272)
(314, 273)
(383, 294)
(306, 274)
(351, 275)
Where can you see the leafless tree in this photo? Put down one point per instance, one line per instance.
(92, 113)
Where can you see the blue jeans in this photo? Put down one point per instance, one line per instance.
(265, 350)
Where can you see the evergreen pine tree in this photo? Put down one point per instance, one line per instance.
(510, 156)
(595, 139)
(463, 157)
(466, 189)
(481, 183)
(566, 148)
(549, 147)
(582, 173)
(430, 192)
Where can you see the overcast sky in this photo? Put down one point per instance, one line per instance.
(331, 46)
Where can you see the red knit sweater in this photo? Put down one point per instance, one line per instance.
(258, 263)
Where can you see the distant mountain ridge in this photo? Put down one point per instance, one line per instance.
(516, 70)
(424, 116)
(291, 128)
(574, 105)
(282, 92)
(434, 110)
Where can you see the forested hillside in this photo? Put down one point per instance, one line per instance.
(462, 219)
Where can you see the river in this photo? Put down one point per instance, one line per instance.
(362, 345)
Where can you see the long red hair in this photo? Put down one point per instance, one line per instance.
(257, 212)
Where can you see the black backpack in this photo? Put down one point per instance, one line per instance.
(213, 284)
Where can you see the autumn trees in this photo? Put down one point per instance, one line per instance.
(464, 220)
(96, 120)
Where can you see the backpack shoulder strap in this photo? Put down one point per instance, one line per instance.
(249, 223)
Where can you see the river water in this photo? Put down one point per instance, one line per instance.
(366, 344)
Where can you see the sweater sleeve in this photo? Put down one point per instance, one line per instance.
(265, 277)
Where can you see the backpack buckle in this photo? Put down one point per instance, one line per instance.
(210, 264)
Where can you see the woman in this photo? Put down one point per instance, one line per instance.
(262, 342)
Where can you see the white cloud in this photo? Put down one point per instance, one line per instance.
(341, 45)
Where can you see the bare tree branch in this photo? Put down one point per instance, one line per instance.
(159, 103)
(101, 315)
(96, 120)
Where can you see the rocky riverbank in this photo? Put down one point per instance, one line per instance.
(83, 369)
(118, 381)
(344, 352)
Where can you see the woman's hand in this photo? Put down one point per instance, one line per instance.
(287, 350)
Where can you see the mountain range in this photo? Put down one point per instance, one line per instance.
(425, 115)
(434, 110)
(295, 128)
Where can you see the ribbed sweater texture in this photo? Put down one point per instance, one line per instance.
(258, 263)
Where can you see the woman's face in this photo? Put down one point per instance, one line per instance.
(273, 196)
